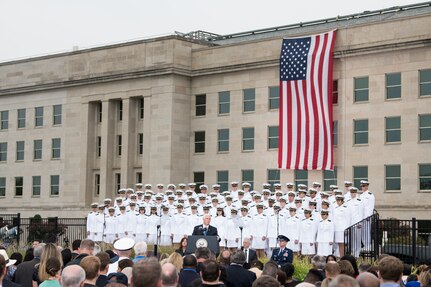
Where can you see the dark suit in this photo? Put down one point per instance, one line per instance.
(200, 230)
(284, 257)
(238, 276)
(252, 256)
(77, 260)
(102, 280)
(187, 276)
(8, 283)
(24, 272)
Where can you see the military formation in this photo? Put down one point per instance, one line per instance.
(313, 220)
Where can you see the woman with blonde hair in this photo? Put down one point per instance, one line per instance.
(177, 260)
(40, 274)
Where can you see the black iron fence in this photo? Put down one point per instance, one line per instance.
(19, 232)
(409, 240)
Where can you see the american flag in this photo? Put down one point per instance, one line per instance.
(305, 129)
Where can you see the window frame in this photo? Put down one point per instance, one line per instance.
(98, 146)
(201, 107)
(3, 151)
(141, 108)
(273, 177)
(327, 181)
(35, 186)
(4, 120)
(423, 83)
(97, 184)
(21, 118)
(199, 143)
(355, 132)
(140, 143)
(356, 90)
(335, 92)
(357, 180)
(272, 138)
(225, 104)
(223, 141)
(196, 180)
(389, 87)
(55, 149)
(246, 179)
(3, 183)
(20, 151)
(272, 99)
(57, 115)
(54, 186)
(427, 177)
(420, 128)
(299, 178)
(117, 178)
(37, 150)
(387, 178)
(19, 187)
(247, 101)
(38, 116)
(391, 130)
(244, 140)
(223, 179)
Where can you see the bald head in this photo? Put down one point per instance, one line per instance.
(72, 276)
(366, 279)
(169, 275)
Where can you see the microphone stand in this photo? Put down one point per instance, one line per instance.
(242, 247)
(158, 234)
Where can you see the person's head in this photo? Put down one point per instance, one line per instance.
(256, 264)
(366, 279)
(124, 263)
(425, 278)
(238, 258)
(91, 266)
(352, 260)
(281, 276)
(49, 250)
(313, 276)
(318, 262)
(344, 281)
(246, 243)
(390, 269)
(270, 268)
(332, 269)
(225, 257)
(86, 247)
(206, 219)
(75, 245)
(202, 253)
(331, 258)
(176, 259)
(2, 267)
(104, 262)
(266, 281)
(210, 271)
(16, 256)
(412, 277)
(169, 275)
(72, 276)
(189, 261)
(289, 269)
(66, 254)
(183, 243)
(346, 268)
(282, 241)
(140, 248)
(364, 267)
(147, 273)
(53, 267)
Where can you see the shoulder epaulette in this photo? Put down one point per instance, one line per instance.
(329, 220)
(359, 199)
(263, 214)
(303, 219)
(321, 220)
(349, 200)
(128, 211)
(311, 219)
(370, 192)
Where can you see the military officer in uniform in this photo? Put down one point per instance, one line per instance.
(282, 255)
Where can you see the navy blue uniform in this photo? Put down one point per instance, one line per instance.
(286, 256)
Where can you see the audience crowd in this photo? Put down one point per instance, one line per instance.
(85, 265)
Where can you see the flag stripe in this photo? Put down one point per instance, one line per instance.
(305, 128)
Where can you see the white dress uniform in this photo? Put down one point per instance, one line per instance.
(110, 229)
(290, 229)
(274, 224)
(246, 223)
(152, 221)
(91, 224)
(121, 224)
(220, 223)
(141, 227)
(307, 236)
(192, 221)
(131, 223)
(368, 201)
(258, 230)
(165, 230)
(99, 226)
(179, 221)
(341, 222)
(325, 236)
(233, 233)
(356, 209)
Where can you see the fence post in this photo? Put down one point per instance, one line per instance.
(18, 237)
(414, 228)
(376, 222)
(56, 229)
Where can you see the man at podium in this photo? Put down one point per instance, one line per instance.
(206, 229)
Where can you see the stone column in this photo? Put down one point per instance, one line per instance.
(107, 151)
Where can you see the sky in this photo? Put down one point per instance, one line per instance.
(30, 28)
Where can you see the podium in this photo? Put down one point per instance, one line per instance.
(196, 241)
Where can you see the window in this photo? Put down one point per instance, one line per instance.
(247, 138)
(199, 142)
(335, 92)
(425, 83)
(360, 131)
(140, 144)
(56, 148)
(334, 133)
(55, 185)
(99, 112)
(97, 184)
(393, 129)
(301, 177)
(20, 150)
(36, 185)
(99, 146)
(273, 176)
(223, 103)
(274, 98)
(3, 152)
(19, 185)
(57, 114)
(139, 177)
(424, 177)
(2, 186)
(425, 127)
(118, 181)
(199, 178)
(393, 86)
(223, 179)
(119, 144)
(249, 96)
(141, 108)
(359, 173)
(393, 177)
(200, 108)
(37, 149)
(247, 175)
(273, 137)
(4, 120)
(21, 118)
(223, 140)
(329, 178)
(361, 89)
(120, 110)
(38, 117)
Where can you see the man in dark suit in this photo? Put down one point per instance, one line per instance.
(205, 229)
(24, 271)
(4, 263)
(282, 254)
(236, 275)
(250, 254)
(188, 274)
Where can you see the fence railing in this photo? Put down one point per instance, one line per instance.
(409, 240)
(19, 232)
